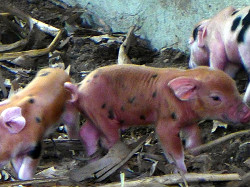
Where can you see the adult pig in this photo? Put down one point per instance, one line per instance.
(28, 116)
(117, 97)
(223, 42)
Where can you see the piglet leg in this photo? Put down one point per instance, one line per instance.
(25, 165)
(17, 163)
(193, 136)
(111, 134)
(71, 119)
(171, 142)
(218, 58)
(71, 115)
(90, 136)
(28, 168)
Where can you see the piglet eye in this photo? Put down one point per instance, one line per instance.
(216, 98)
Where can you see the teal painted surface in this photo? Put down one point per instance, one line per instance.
(165, 23)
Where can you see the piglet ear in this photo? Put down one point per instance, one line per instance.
(73, 91)
(184, 88)
(13, 120)
(202, 33)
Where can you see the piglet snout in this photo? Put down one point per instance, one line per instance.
(245, 118)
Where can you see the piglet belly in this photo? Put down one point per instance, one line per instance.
(129, 119)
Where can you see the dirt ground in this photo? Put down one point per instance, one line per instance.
(86, 49)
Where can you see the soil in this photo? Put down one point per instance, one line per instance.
(84, 54)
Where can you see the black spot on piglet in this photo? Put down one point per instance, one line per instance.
(31, 100)
(236, 23)
(240, 37)
(44, 74)
(38, 120)
(234, 12)
(131, 100)
(36, 151)
(246, 19)
(245, 24)
(154, 76)
(103, 106)
(111, 114)
(142, 117)
(174, 116)
(154, 94)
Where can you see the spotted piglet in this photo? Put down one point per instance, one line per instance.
(29, 115)
(223, 42)
(117, 97)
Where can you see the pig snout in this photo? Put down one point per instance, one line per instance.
(237, 114)
(245, 115)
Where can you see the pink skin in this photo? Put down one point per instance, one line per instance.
(217, 45)
(116, 97)
(90, 136)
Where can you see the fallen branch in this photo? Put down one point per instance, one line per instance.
(34, 181)
(103, 174)
(20, 15)
(61, 144)
(31, 22)
(213, 143)
(117, 156)
(108, 161)
(17, 71)
(176, 178)
(32, 53)
(245, 181)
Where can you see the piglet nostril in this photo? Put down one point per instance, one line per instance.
(246, 118)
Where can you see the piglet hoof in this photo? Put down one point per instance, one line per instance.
(179, 171)
(182, 174)
(97, 155)
(180, 166)
(193, 151)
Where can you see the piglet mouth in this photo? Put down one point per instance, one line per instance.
(3, 163)
(228, 120)
(243, 120)
(225, 119)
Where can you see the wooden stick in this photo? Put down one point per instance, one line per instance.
(213, 143)
(176, 178)
(34, 181)
(117, 156)
(140, 142)
(244, 182)
(32, 53)
(122, 56)
(61, 144)
(57, 33)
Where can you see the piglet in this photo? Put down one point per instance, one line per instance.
(117, 97)
(29, 115)
(223, 42)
